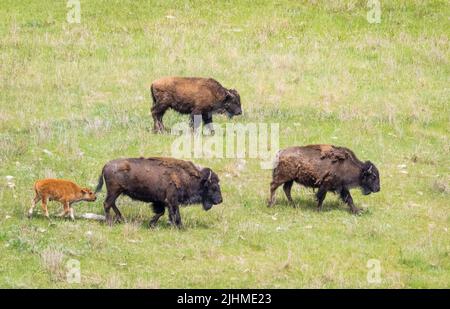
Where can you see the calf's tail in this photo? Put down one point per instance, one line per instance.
(100, 183)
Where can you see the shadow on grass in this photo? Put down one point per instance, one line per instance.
(164, 224)
(310, 204)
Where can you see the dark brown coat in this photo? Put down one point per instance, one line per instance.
(326, 167)
(194, 96)
(164, 182)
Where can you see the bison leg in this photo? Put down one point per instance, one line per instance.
(273, 187)
(207, 121)
(158, 111)
(287, 190)
(110, 201)
(159, 210)
(118, 217)
(174, 216)
(320, 197)
(195, 121)
(347, 198)
(33, 205)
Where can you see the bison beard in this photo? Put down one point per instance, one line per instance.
(164, 182)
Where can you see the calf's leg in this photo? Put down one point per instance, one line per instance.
(33, 205)
(66, 209)
(72, 216)
(44, 206)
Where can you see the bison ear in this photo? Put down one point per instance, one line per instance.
(230, 94)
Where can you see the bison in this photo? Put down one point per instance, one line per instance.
(194, 96)
(164, 182)
(63, 191)
(327, 168)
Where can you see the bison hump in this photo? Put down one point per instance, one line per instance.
(333, 153)
(172, 163)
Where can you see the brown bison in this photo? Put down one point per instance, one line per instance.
(326, 167)
(63, 191)
(164, 182)
(194, 96)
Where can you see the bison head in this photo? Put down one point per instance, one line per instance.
(370, 178)
(211, 194)
(88, 195)
(232, 103)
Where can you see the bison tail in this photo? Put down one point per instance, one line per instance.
(100, 183)
(153, 94)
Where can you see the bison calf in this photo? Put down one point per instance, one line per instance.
(326, 167)
(194, 96)
(164, 182)
(63, 191)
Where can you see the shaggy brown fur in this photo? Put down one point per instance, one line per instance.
(326, 167)
(164, 182)
(194, 96)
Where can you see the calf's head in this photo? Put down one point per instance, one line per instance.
(370, 178)
(210, 189)
(232, 103)
(88, 195)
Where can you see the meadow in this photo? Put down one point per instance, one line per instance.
(76, 95)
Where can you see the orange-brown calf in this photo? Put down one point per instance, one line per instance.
(63, 191)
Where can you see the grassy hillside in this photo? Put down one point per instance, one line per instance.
(73, 96)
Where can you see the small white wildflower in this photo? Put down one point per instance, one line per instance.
(47, 152)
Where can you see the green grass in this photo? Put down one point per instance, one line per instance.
(317, 68)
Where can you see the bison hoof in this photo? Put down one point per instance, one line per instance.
(118, 219)
(356, 211)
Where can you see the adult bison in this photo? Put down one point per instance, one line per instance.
(164, 182)
(194, 96)
(326, 167)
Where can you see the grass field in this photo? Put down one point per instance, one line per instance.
(73, 96)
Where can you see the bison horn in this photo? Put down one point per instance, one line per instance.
(209, 177)
(369, 170)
